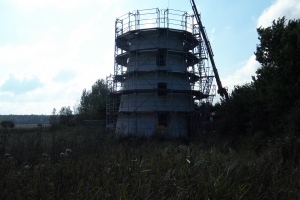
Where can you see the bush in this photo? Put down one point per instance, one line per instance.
(7, 124)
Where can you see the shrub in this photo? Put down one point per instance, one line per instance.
(7, 124)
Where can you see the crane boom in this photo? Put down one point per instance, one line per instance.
(222, 91)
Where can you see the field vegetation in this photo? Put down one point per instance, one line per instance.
(86, 163)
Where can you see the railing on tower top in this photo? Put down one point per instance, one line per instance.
(155, 18)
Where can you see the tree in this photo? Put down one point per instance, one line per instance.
(65, 116)
(93, 102)
(7, 124)
(239, 112)
(53, 119)
(270, 103)
(278, 79)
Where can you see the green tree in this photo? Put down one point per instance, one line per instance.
(239, 112)
(53, 119)
(93, 102)
(270, 103)
(278, 79)
(65, 116)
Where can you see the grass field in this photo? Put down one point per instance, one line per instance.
(31, 126)
(35, 164)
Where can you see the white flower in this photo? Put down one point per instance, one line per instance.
(7, 155)
(68, 151)
(27, 166)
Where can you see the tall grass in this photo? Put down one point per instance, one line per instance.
(103, 166)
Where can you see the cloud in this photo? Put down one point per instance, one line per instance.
(47, 64)
(64, 75)
(288, 8)
(212, 37)
(242, 75)
(44, 74)
(83, 33)
(63, 5)
(17, 86)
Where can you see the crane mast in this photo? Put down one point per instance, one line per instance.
(222, 91)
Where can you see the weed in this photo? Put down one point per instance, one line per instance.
(101, 166)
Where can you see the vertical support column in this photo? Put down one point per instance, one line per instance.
(166, 18)
(158, 17)
(184, 21)
(129, 22)
(137, 20)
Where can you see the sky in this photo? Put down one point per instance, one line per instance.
(50, 50)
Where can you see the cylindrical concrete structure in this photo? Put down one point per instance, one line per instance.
(155, 80)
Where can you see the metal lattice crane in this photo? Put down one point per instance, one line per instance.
(222, 91)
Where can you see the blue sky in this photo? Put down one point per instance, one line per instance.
(50, 50)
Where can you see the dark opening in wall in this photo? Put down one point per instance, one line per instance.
(163, 119)
(161, 57)
(162, 89)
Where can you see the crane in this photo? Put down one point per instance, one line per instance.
(222, 91)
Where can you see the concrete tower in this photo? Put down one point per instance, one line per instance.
(158, 74)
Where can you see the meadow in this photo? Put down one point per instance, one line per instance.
(87, 163)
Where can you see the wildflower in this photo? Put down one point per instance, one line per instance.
(27, 166)
(7, 155)
(62, 154)
(188, 160)
(68, 151)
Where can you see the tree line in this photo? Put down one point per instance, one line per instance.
(26, 119)
(270, 103)
(92, 106)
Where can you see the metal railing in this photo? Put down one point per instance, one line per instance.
(154, 18)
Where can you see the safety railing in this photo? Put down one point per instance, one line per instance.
(154, 18)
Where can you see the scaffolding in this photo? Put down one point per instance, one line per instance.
(141, 83)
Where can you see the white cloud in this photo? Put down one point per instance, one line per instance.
(63, 5)
(64, 67)
(64, 75)
(288, 8)
(212, 36)
(81, 35)
(17, 86)
(242, 75)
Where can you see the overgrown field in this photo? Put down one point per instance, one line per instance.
(35, 164)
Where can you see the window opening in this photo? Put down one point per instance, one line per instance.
(161, 58)
(163, 119)
(162, 89)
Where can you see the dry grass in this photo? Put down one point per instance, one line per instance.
(30, 126)
(102, 167)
